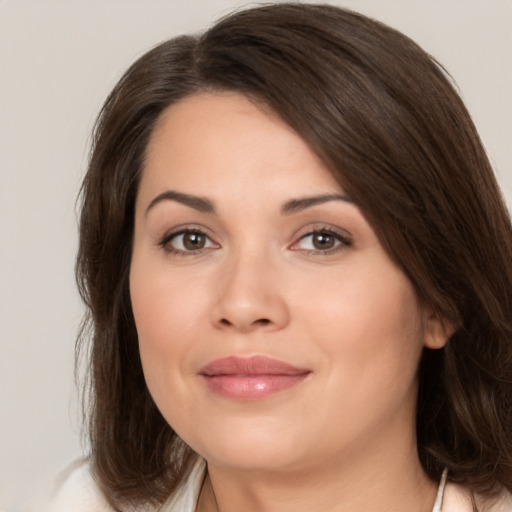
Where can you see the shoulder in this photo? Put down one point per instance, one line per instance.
(76, 490)
(186, 496)
(457, 498)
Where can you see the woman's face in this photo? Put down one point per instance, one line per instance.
(275, 332)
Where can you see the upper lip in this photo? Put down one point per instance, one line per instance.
(254, 365)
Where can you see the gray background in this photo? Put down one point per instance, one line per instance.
(58, 60)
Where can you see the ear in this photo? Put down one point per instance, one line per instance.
(437, 331)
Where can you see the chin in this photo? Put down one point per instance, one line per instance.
(250, 445)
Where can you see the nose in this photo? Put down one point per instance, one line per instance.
(250, 297)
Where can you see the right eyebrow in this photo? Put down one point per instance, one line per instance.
(198, 203)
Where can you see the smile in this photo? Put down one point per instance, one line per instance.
(253, 378)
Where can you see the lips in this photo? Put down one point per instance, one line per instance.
(250, 378)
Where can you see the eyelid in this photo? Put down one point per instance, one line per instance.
(163, 241)
(343, 237)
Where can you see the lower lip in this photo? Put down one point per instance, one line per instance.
(251, 387)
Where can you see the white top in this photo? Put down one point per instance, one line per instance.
(79, 493)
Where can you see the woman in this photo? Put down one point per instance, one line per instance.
(297, 265)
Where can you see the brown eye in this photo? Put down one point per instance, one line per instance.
(188, 242)
(323, 241)
(194, 241)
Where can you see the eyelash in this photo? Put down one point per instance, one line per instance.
(343, 242)
(165, 242)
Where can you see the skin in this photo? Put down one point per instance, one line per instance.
(342, 439)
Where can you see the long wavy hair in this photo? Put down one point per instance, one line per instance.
(387, 121)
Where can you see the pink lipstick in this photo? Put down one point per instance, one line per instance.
(251, 378)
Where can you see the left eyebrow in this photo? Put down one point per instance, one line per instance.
(297, 205)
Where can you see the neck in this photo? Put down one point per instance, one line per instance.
(374, 481)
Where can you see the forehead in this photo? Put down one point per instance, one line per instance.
(224, 141)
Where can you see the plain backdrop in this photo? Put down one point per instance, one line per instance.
(58, 61)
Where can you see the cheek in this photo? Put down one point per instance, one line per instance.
(167, 316)
(164, 307)
(369, 331)
(369, 318)
(166, 313)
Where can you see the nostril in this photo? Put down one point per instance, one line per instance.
(261, 322)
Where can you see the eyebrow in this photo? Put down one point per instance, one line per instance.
(203, 205)
(297, 205)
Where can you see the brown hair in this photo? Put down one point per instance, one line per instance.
(385, 118)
